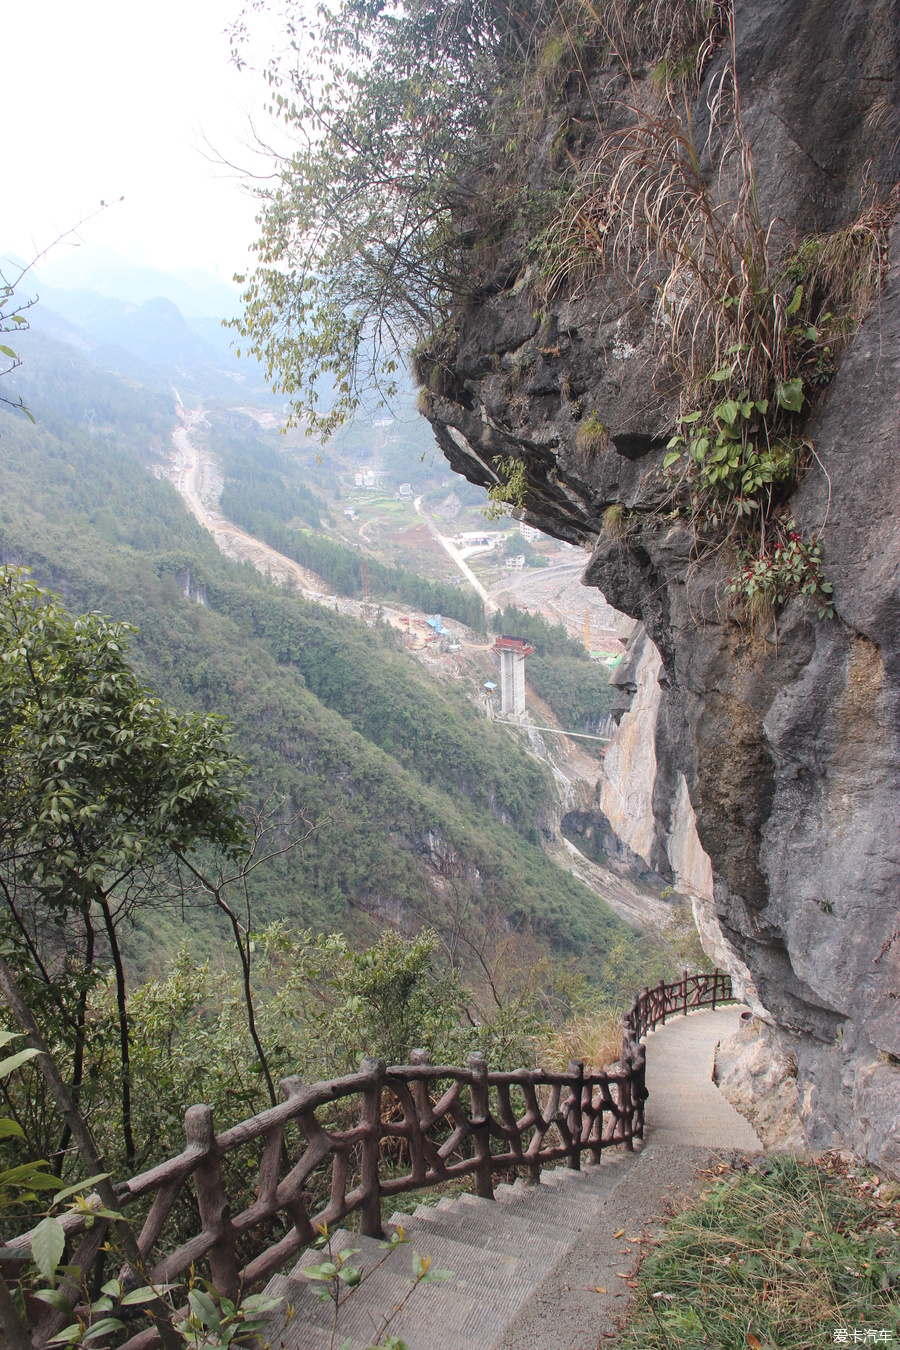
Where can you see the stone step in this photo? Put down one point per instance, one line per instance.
(560, 1210)
(539, 1229)
(529, 1239)
(500, 1252)
(452, 1314)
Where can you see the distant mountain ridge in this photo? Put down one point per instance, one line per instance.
(151, 342)
(146, 338)
(96, 268)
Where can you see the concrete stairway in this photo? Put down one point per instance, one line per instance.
(500, 1252)
(541, 1267)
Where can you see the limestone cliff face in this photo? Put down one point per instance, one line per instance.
(655, 819)
(629, 770)
(760, 770)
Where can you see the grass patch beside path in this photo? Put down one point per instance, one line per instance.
(785, 1254)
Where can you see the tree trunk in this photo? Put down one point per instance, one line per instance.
(251, 1012)
(124, 1047)
(90, 1154)
(80, 1028)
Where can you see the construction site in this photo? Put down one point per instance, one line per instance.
(548, 588)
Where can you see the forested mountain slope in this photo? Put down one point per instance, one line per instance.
(405, 781)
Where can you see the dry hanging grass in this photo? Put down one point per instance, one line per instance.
(684, 218)
(593, 1038)
(658, 208)
(675, 32)
(846, 268)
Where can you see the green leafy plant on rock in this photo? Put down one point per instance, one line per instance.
(793, 570)
(509, 492)
(747, 336)
(732, 465)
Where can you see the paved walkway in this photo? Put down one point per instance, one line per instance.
(687, 1119)
(546, 1267)
(685, 1107)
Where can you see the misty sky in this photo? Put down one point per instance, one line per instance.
(104, 98)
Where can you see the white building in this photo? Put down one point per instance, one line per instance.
(528, 532)
(515, 564)
(405, 490)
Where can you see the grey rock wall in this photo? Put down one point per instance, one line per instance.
(774, 789)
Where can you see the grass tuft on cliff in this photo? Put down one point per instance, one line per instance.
(785, 1254)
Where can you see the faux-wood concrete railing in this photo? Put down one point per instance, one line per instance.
(418, 1113)
(653, 1006)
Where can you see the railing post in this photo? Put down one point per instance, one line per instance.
(576, 1071)
(684, 991)
(645, 1010)
(481, 1124)
(662, 1001)
(212, 1202)
(715, 983)
(370, 1119)
(639, 1089)
(418, 1088)
(626, 1108)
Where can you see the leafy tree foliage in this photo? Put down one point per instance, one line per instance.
(99, 780)
(388, 109)
(100, 784)
(320, 1007)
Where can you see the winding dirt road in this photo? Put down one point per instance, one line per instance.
(456, 557)
(197, 478)
(191, 471)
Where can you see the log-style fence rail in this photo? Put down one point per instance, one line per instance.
(436, 1123)
(653, 1006)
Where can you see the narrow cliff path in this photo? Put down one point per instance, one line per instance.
(685, 1106)
(546, 1267)
(689, 1124)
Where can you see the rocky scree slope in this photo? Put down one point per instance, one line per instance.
(775, 750)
